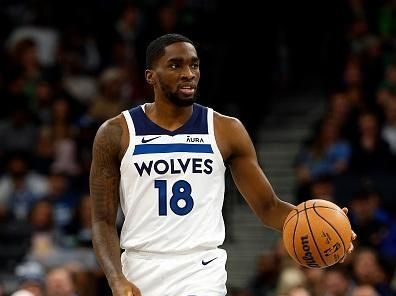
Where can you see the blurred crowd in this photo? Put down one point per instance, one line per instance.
(350, 159)
(66, 67)
(63, 71)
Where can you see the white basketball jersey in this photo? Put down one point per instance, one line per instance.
(172, 185)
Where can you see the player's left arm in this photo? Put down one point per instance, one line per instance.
(239, 153)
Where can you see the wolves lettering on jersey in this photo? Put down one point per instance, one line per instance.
(168, 144)
(175, 166)
(172, 185)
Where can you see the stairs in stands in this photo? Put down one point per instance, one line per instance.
(280, 137)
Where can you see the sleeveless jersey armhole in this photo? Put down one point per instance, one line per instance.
(212, 136)
(132, 134)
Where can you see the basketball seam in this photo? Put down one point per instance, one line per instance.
(343, 244)
(310, 229)
(312, 208)
(294, 236)
(287, 221)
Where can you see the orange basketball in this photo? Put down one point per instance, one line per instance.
(317, 233)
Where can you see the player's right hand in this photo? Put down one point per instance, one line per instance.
(123, 287)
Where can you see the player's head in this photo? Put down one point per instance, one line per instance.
(172, 68)
(156, 48)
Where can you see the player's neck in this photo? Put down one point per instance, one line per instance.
(168, 116)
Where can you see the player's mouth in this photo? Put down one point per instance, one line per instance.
(187, 90)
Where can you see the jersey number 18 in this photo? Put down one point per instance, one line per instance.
(181, 193)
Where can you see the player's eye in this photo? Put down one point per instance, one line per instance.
(195, 66)
(173, 66)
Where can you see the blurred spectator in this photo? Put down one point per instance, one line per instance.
(82, 46)
(63, 137)
(370, 153)
(323, 188)
(63, 198)
(314, 281)
(337, 281)
(387, 88)
(80, 228)
(20, 187)
(128, 26)
(299, 291)
(373, 67)
(42, 101)
(41, 216)
(265, 280)
(15, 237)
(389, 129)
(387, 20)
(369, 270)
(24, 57)
(344, 111)
(353, 75)
(46, 39)
(290, 278)
(80, 85)
(44, 152)
(325, 154)
(45, 238)
(31, 277)
(364, 290)
(22, 292)
(109, 102)
(368, 218)
(387, 246)
(17, 131)
(59, 282)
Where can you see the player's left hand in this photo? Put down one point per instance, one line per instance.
(351, 247)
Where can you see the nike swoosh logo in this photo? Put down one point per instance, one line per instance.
(207, 262)
(149, 140)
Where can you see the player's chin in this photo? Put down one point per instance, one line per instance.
(184, 96)
(186, 101)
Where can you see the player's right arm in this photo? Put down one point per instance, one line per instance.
(104, 190)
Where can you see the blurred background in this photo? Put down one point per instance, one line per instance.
(313, 82)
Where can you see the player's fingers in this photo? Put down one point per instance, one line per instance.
(343, 259)
(351, 247)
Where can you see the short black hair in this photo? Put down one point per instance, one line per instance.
(156, 48)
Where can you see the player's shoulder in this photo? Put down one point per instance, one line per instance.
(226, 121)
(230, 134)
(112, 130)
(111, 136)
(111, 125)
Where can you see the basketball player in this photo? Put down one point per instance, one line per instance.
(164, 163)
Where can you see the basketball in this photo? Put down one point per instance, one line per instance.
(317, 234)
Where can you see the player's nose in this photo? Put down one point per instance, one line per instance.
(188, 73)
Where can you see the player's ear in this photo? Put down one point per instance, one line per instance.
(149, 77)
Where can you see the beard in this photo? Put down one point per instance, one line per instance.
(174, 98)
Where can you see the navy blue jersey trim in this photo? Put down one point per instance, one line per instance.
(196, 124)
(169, 148)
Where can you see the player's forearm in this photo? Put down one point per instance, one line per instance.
(274, 216)
(106, 245)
